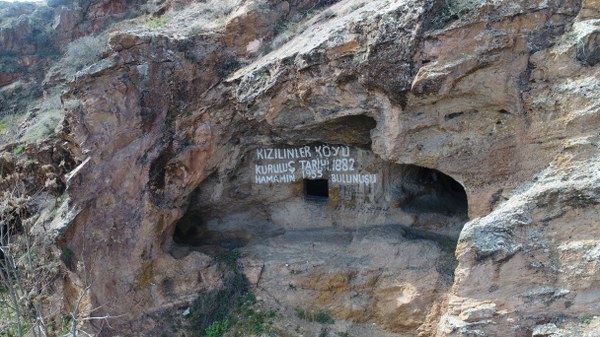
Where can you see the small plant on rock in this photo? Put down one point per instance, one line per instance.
(19, 149)
(229, 258)
(157, 22)
(320, 316)
(217, 328)
(228, 66)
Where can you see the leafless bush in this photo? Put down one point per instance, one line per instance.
(83, 52)
(19, 309)
(27, 268)
(211, 15)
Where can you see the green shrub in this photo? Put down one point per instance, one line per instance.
(216, 305)
(250, 318)
(228, 66)
(43, 126)
(320, 316)
(217, 328)
(67, 256)
(19, 149)
(229, 258)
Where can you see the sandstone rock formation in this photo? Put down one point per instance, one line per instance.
(478, 122)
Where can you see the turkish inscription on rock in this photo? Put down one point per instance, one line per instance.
(287, 165)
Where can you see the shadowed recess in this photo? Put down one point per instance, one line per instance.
(430, 191)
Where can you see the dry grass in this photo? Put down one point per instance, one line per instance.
(205, 16)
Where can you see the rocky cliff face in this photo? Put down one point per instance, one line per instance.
(473, 127)
(34, 36)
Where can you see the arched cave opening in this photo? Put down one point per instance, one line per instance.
(192, 233)
(428, 192)
(432, 191)
(434, 203)
(363, 225)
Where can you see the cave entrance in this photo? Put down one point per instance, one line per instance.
(438, 202)
(429, 190)
(192, 233)
(424, 201)
(316, 189)
(399, 226)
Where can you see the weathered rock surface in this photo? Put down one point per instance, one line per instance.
(33, 35)
(502, 97)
